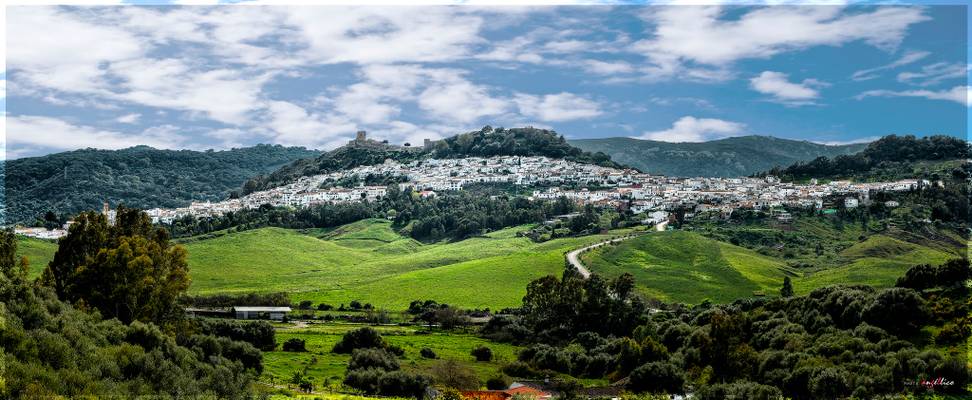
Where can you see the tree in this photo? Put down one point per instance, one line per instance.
(657, 377)
(482, 353)
(787, 290)
(129, 270)
(294, 344)
(450, 373)
(361, 338)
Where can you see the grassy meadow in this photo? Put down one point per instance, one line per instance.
(39, 253)
(369, 262)
(322, 366)
(687, 266)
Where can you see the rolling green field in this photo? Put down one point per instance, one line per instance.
(688, 267)
(38, 252)
(320, 364)
(369, 262)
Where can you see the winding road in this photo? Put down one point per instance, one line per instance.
(573, 257)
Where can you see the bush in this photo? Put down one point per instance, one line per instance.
(305, 305)
(257, 333)
(294, 344)
(520, 369)
(395, 349)
(657, 377)
(361, 338)
(324, 307)
(482, 353)
(372, 359)
(428, 353)
(498, 382)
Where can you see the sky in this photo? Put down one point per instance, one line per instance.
(218, 77)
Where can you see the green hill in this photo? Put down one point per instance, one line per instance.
(368, 261)
(139, 176)
(688, 267)
(737, 156)
(878, 261)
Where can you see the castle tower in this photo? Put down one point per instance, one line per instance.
(427, 143)
(105, 209)
(361, 136)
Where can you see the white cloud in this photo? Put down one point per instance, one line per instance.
(556, 107)
(33, 132)
(607, 67)
(692, 129)
(958, 94)
(777, 85)
(934, 74)
(128, 118)
(224, 95)
(62, 51)
(295, 126)
(907, 58)
(700, 35)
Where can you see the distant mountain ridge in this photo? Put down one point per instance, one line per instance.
(139, 176)
(730, 157)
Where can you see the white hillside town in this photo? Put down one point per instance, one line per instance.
(551, 179)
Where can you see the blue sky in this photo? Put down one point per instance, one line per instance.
(229, 76)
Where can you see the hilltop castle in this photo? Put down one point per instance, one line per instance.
(361, 140)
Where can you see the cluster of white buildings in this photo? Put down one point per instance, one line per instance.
(611, 187)
(724, 195)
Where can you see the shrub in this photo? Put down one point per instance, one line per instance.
(372, 359)
(498, 382)
(519, 369)
(359, 339)
(657, 377)
(482, 353)
(428, 353)
(395, 349)
(305, 305)
(294, 344)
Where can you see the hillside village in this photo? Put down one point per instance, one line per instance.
(551, 179)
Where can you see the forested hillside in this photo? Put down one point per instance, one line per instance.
(486, 142)
(888, 158)
(738, 156)
(141, 176)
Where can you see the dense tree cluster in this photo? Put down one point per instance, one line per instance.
(489, 142)
(71, 182)
(836, 342)
(258, 333)
(453, 216)
(375, 370)
(127, 270)
(883, 153)
(51, 349)
(225, 300)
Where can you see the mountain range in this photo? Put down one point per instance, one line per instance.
(140, 176)
(736, 156)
